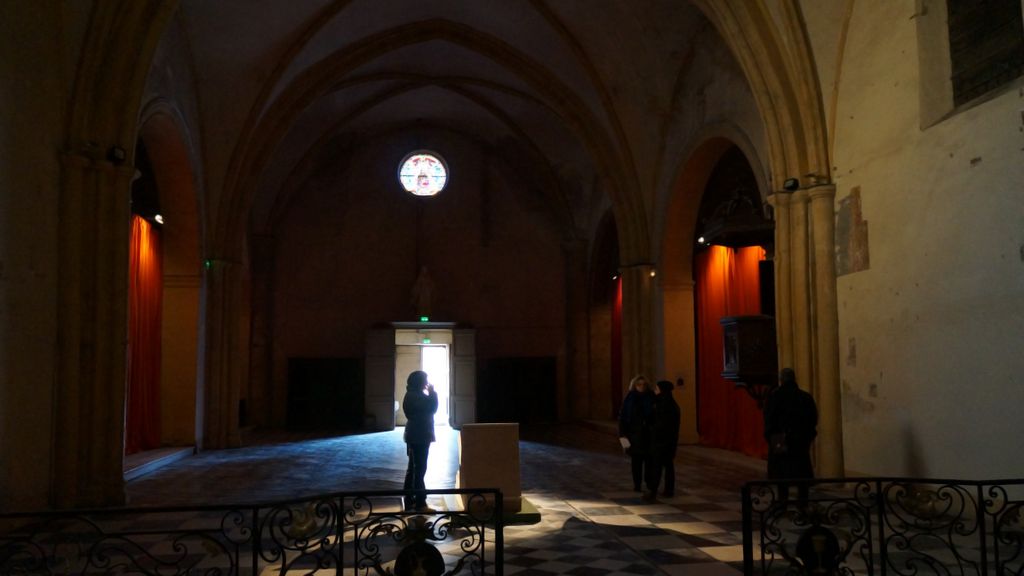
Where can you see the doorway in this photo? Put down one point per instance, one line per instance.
(429, 351)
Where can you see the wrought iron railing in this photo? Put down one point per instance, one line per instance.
(885, 526)
(357, 534)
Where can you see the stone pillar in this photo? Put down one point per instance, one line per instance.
(637, 341)
(261, 350)
(826, 329)
(783, 294)
(222, 354)
(574, 400)
(800, 290)
(92, 313)
(806, 309)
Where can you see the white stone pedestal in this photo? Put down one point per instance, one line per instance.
(489, 458)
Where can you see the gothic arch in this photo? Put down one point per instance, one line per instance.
(776, 58)
(166, 138)
(675, 262)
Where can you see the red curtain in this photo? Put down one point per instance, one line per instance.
(727, 285)
(145, 283)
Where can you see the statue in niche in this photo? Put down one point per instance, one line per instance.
(423, 293)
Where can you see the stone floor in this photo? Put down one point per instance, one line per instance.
(592, 522)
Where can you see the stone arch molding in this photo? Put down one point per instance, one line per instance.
(165, 134)
(677, 210)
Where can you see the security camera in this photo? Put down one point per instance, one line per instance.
(791, 184)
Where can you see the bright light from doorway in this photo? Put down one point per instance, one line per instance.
(435, 364)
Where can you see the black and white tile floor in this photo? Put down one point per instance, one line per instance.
(592, 523)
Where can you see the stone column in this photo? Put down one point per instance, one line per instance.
(222, 354)
(92, 313)
(800, 290)
(637, 340)
(783, 295)
(576, 401)
(262, 394)
(826, 329)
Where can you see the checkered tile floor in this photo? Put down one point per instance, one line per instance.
(592, 523)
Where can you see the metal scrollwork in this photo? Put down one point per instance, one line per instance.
(901, 526)
(343, 532)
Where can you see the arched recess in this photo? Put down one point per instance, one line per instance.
(675, 264)
(605, 314)
(165, 140)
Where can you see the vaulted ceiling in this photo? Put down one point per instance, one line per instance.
(581, 93)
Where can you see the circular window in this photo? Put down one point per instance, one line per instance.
(423, 173)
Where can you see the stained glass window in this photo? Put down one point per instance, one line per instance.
(423, 173)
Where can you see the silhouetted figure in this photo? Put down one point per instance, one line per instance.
(790, 425)
(419, 405)
(635, 426)
(664, 440)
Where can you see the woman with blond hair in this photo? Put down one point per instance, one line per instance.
(635, 426)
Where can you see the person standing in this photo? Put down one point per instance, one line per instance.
(419, 405)
(664, 441)
(790, 425)
(634, 426)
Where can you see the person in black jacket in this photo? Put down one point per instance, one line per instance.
(664, 441)
(419, 405)
(790, 425)
(634, 426)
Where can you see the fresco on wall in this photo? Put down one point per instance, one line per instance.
(851, 236)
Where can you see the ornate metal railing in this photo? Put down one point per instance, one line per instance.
(899, 526)
(360, 534)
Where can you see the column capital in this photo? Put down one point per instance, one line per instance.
(779, 198)
(822, 191)
(86, 161)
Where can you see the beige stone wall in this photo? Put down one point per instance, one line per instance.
(931, 332)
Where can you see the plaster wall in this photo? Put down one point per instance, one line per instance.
(349, 249)
(931, 333)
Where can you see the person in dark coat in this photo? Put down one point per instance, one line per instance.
(664, 441)
(790, 425)
(635, 426)
(419, 405)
